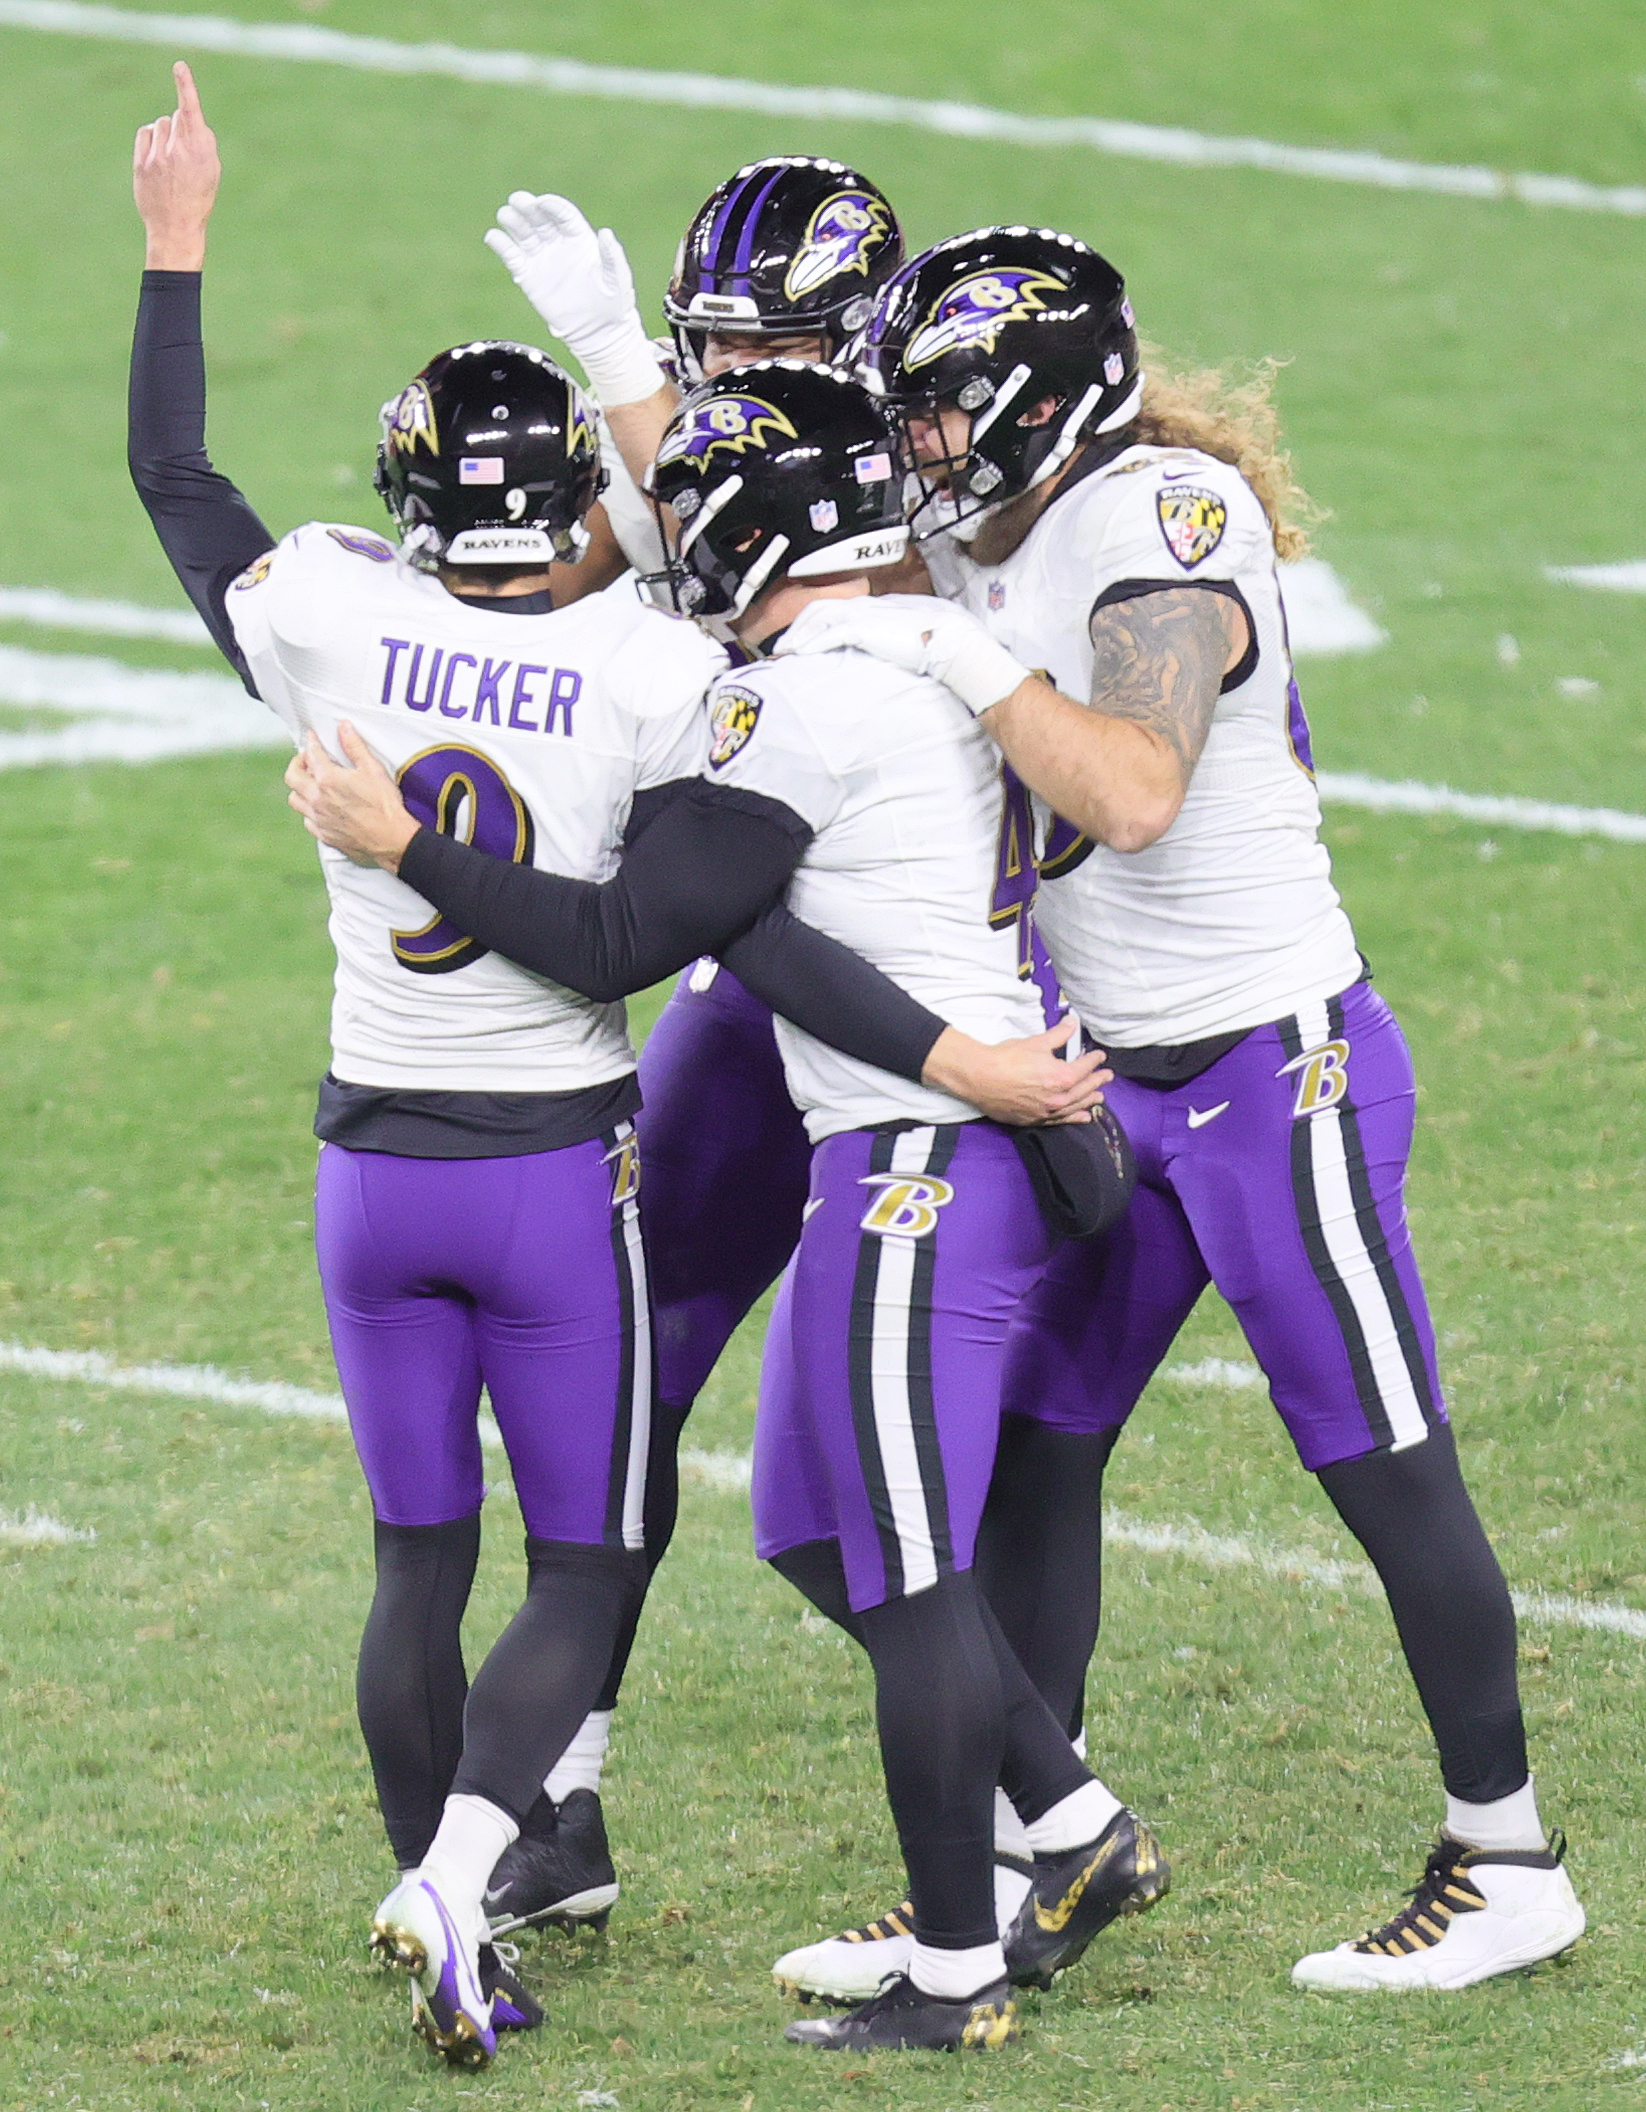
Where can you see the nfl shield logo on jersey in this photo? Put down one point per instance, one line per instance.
(1192, 522)
(736, 714)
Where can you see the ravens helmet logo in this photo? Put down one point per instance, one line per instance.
(973, 314)
(842, 236)
(735, 423)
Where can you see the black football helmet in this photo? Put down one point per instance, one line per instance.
(778, 470)
(788, 247)
(994, 323)
(490, 457)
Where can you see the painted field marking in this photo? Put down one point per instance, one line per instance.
(1612, 579)
(729, 1473)
(1321, 620)
(114, 619)
(703, 91)
(188, 1382)
(125, 714)
(1380, 796)
(33, 1528)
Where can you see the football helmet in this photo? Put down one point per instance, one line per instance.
(490, 457)
(788, 247)
(994, 324)
(779, 469)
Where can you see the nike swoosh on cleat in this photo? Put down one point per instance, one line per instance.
(1199, 1115)
(501, 1893)
(1057, 1918)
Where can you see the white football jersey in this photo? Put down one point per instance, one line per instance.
(1231, 919)
(527, 735)
(903, 789)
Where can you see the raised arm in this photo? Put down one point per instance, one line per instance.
(206, 528)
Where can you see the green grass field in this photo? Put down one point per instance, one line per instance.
(186, 1828)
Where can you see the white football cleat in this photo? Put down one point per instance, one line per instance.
(1477, 1912)
(415, 1929)
(852, 1967)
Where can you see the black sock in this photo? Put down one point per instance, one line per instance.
(942, 1732)
(1040, 1554)
(661, 1507)
(1413, 1515)
(410, 1685)
(542, 1674)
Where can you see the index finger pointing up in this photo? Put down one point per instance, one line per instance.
(188, 96)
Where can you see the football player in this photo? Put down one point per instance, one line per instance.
(881, 811)
(782, 259)
(475, 1118)
(1123, 537)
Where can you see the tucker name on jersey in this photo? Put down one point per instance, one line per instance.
(527, 735)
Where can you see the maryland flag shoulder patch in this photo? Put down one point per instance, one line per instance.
(735, 716)
(255, 573)
(1192, 520)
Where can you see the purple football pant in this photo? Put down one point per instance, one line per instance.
(1279, 1176)
(524, 1275)
(880, 1391)
(726, 1170)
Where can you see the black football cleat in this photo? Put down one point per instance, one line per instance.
(1077, 1894)
(514, 2006)
(901, 2019)
(556, 1875)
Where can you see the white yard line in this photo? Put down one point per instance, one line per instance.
(114, 619)
(1347, 788)
(32, 1528)
(702, 91)
(125, 714)
(189, 1382)
(728, 1473)
(1613, 579)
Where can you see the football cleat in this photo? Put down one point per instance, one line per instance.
(901, 2018)
(558, 1876)
(514, 2006)
(853, 1966)
(415, 1929)
(1475, 1913)
(1078, 1893)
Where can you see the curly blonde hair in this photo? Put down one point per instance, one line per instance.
(1236, 422)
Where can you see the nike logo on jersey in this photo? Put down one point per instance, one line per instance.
(1199, 1115)
(813, 1205)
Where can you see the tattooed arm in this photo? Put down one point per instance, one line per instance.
(1119, 769)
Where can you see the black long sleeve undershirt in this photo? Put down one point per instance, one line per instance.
(703, 872)
(206, 526)
(713, 884)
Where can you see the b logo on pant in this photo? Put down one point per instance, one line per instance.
(624, 1160)
(907, 1204)
(1324, 1079)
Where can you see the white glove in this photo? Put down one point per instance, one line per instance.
(581, 285)
(918, 633)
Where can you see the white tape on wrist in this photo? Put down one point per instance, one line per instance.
(980, 672)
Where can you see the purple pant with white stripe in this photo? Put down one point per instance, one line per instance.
(1279, 1176)
(524, 1275)
(880, 1392)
